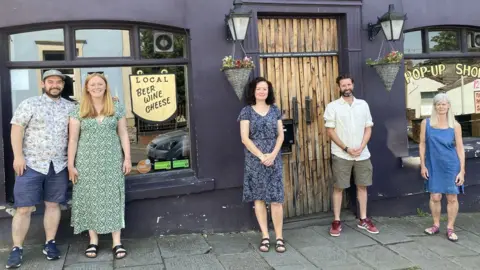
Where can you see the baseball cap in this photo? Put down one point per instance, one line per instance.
(52, 72)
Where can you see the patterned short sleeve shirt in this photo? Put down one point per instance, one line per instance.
(45, 123)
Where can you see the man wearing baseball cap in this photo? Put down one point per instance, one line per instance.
(39, 140)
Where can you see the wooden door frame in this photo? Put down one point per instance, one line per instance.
(348, 13)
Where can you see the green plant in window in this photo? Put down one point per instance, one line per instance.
(390, 58)
(446, 41)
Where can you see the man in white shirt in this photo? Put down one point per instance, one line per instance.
(349, 126)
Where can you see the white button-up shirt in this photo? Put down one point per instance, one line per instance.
(349, 122)
(45, 140)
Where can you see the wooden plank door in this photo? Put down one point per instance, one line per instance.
(300, 58)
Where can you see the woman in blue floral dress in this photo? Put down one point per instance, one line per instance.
(262, 134)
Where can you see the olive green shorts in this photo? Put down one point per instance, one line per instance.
(342, 171)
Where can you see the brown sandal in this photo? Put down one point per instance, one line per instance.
(265, 243)
(280, 244)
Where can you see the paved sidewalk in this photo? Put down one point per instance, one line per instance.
(401, 244)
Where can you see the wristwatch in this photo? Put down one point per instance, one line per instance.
(345, 149)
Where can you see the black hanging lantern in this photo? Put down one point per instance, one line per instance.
(391, 23)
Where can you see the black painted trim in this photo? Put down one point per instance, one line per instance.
(167, 187)
(306, 2)
(97, 62)
(3, 96)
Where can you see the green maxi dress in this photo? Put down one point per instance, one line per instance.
(98, 201)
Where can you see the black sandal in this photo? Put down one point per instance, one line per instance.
(280, 244)
(91, 249)
(264, 243)
(119, 249)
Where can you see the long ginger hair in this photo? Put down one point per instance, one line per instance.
(87, 110)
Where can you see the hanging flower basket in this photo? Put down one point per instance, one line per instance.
(237, 73)
(238, 78)
(388, 73)
(387, 68)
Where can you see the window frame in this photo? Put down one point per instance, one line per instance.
(426, 53)
(139, 186)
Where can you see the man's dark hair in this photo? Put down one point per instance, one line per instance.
(343, 77)
(250, 95)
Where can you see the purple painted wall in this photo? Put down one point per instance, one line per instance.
(215, 107)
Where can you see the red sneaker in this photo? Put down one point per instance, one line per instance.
(367, 225)
(336, 228)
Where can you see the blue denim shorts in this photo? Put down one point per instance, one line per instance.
(33, 187)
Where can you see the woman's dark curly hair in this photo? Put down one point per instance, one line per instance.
(250, 95)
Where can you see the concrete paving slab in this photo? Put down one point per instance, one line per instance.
(141, 252)
(405, 225)
(145, 267)
(90, 266)
(181, 245)
(229, 243)
(469, 222)
(76, 253)
(329, 256)
(470, 263)
(379, 257)
(387, 234)
(193, 262)
(303, 238)
(440, 245)
(422, 257)
(244, 261)
(349, 237)
(296, 267)
(469, 240)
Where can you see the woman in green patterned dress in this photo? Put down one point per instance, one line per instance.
(97, 166)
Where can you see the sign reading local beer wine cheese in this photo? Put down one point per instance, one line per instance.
(154, 97)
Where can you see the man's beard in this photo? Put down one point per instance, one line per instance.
(347, 93)
(51, 95)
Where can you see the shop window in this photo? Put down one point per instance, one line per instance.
(104, 42)
(55, 51)
(164, 145)
(459, 78)
(156, 44)
(413, 42)
(444, 40)
(25, 46)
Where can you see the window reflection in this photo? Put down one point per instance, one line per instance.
(104, 42)
(30, 46)
(473, 41)
(444, 41)
(155, 147)
(459, 78)
(157, 44)
(413, 42)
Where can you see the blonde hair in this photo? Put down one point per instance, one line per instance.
(434, 117)
(86, 105)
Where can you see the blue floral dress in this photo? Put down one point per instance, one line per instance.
(261, 182)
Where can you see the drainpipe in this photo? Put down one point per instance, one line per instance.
(461, 92)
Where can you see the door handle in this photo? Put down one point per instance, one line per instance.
(295, 110)
(308, 110)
